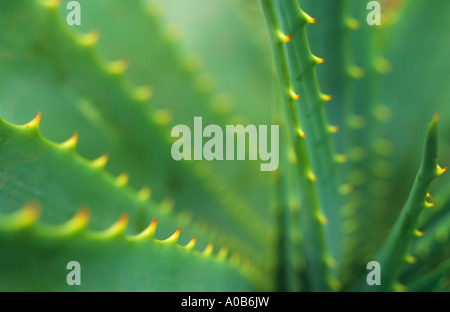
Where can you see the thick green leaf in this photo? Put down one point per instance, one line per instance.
(394, 252)
(37, 257)
(45, 66)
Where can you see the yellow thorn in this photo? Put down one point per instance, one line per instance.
(162, 117)
(293, 95)
(283, 37)
(292, 157)
(71, 143)
(330, 261)
(322, 219)
(352, 23)
(308, 18)
(335, 284)
(76, 223)
(429, 205)
(143, 93)
(440, 170)
(410, 259)
(208, 250)
(193, 62)
(80, 220)
(100, 162)
(174, 33)
(149, 231)
(155, 8)
(118, 67)
(356, 72)
(191, 244)
(418, 233)
(383, 113)
(29, 214)
(235, 259)
(436, 116)
(383, 147)
(333, 129)
(117, 228)
(358, 153)
(317, 60)
(174, 237)
(90, 38)
(122, 179)
(346, 189)
(383, 66)
(311, 176)
(357, 122)
(145, 193)
(35, 122)
(340, 159)
(121, 224)
(52, 4)
(301, 133)
(325, 97)
(167, 205)
(429, 195)
(223, 252)
(400, 287)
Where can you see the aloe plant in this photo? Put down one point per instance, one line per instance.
(86, 172)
